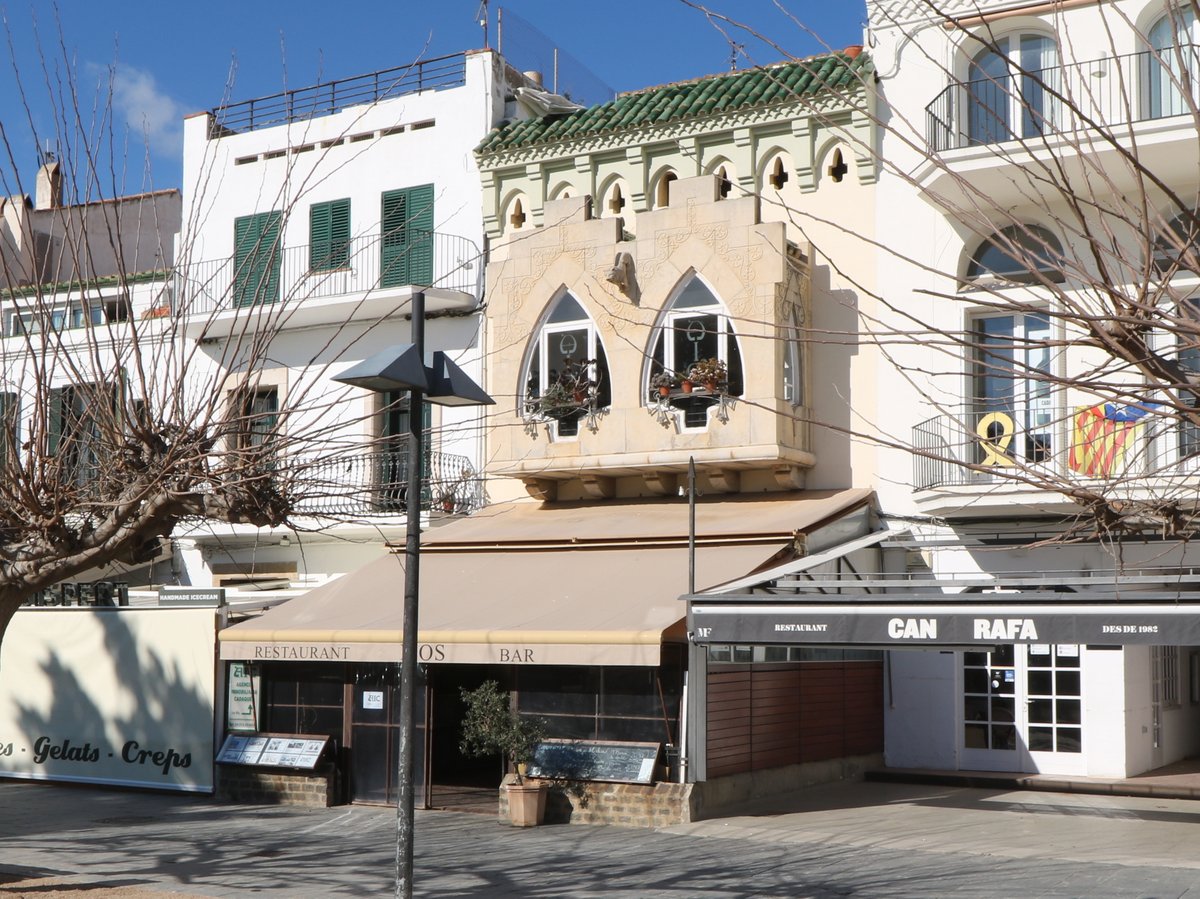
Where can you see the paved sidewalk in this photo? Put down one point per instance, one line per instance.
(869, 840)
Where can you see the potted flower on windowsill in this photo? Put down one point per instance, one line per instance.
(490, 726)
(555, 402)
(664, 382)
(711, 374)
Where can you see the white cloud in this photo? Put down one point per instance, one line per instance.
(147, 110)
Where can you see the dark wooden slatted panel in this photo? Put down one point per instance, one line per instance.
(767, 716)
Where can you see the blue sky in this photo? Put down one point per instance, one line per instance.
(170, 59)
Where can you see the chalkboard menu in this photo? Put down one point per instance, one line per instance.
(274, 751)
(595, 760)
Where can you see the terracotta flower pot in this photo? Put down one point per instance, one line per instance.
(664, 391)
(526, 803)
(686, 385)
(853, 50)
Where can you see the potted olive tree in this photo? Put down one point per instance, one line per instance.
(490, 726)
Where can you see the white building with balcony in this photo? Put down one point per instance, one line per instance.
(312, 218)
(1038, 161)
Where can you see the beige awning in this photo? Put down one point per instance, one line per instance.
(523, 584)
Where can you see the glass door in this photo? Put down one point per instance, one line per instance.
(1022, 710)
(989, 709)
(1012, 390)
(1054, 708)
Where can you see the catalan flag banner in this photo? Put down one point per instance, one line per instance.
(1099, 435)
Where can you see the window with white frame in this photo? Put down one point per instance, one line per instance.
(1177, 246)
(695, 332)
(1172, 64)
(1011, 84)
(793, 375)
(1011, 391)
(1188, 343)
(1020, 254)
(566, 376)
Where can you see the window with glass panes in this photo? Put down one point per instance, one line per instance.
(567, 338)
(391, 466)
(304, 699)
(695, 327)
(989, 699)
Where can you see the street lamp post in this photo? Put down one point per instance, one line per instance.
(444, 383)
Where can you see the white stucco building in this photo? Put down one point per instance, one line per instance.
(1011, 124)
(312, 217)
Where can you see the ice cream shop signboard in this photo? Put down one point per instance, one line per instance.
(120, 696)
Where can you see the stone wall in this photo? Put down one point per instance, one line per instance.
(666, 804)
(236, 783)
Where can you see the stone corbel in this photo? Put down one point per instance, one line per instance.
(724, 480)
(598, 487)
(542, 489)
(789, 477)
(661, 483)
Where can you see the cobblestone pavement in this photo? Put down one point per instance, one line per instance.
(852, 840)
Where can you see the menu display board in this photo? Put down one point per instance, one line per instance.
(272, 750)
(596, 760)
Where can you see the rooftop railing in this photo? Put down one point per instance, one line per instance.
(1032, 104)
(329, 97)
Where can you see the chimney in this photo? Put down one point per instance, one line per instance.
(49, 185)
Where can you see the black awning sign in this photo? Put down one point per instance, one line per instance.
(956, 625)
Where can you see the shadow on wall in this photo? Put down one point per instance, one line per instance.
(833, 345)
(110, 696)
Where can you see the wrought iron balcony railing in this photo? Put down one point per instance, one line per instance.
(294, 275)
(376, 484)
(1099, 93)
(1052, 446)
(333, 96)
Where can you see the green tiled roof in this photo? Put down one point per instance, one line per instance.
(687, 100)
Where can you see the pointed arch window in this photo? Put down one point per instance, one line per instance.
(695, 334)
(566, 378)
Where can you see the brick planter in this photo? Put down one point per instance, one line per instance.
(236, 783)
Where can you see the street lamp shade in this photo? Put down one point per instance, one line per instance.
(398, 367)
(449, 385)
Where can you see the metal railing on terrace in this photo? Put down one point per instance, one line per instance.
(1031, 104)
(329, 97)
(295, 274)
(376, 484)
(978, 447)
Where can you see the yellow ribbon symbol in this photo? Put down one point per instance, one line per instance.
(995, 446)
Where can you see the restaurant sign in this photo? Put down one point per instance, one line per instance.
(933, 625)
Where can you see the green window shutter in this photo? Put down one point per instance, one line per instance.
(329, 235)
(407, 224)
(256, 259)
